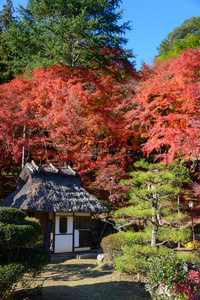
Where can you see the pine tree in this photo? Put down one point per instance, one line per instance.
(6, 15)
(6, 19)
(73, 32)
(151, 192)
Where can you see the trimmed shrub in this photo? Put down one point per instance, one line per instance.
(14, 237)
(130, 264)
(18, 252)
(9, 275)
(135, 258)
(112, 246)
(11, 216)
(17, 235)
(35, 259)
(128, 255)
(31, 263)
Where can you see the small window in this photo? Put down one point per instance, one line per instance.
(63, 225)
(82, 223)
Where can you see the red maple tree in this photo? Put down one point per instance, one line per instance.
(166, 107)
(17, 126)
(62, 115)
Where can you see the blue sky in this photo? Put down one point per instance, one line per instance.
(151, 21)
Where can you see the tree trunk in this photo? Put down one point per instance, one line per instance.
(154, 227)
(179, 244)
(153, 236)
(108, 213)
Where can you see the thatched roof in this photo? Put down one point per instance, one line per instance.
(47, 188)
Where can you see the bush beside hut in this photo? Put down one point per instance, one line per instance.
(19, 252)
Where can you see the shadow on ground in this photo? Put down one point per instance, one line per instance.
(75, 272)
(87, 280)
(116, 290)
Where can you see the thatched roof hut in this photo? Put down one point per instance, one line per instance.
(47, 188)
(56, 198)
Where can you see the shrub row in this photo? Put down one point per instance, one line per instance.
(9, 275)
(158, 265)
(19, 252)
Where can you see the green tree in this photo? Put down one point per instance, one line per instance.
(6, 19)
(73, 32)
(151, 190)
(19, 237)
(181, 38)
(181, 176)
(6, 15)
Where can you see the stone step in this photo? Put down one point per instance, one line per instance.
(87, 255)
(78, 255)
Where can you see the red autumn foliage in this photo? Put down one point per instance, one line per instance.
(81, 113)
(188, 289)
(195, 186)
(14, 122)
(114, 62)
(108, 179)
(72, 116)
(166, 107)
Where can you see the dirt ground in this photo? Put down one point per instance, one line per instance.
(85, 279)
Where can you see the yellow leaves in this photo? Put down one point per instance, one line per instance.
(190, 245)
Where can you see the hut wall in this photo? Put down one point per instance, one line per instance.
(63, 240)
(72, 232)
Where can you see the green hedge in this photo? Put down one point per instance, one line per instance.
(14, 237)
(32, 261)
(19, 254)
(9, 275)
(11, 216)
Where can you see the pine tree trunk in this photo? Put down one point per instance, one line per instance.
(153, 236)
(154, 227)
(179, 244)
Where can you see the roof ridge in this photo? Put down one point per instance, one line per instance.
(54, 168)
(30, 167)
(50, 169)
(73, 172)
(35, 165)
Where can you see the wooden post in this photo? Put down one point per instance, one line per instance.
(23, 149)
